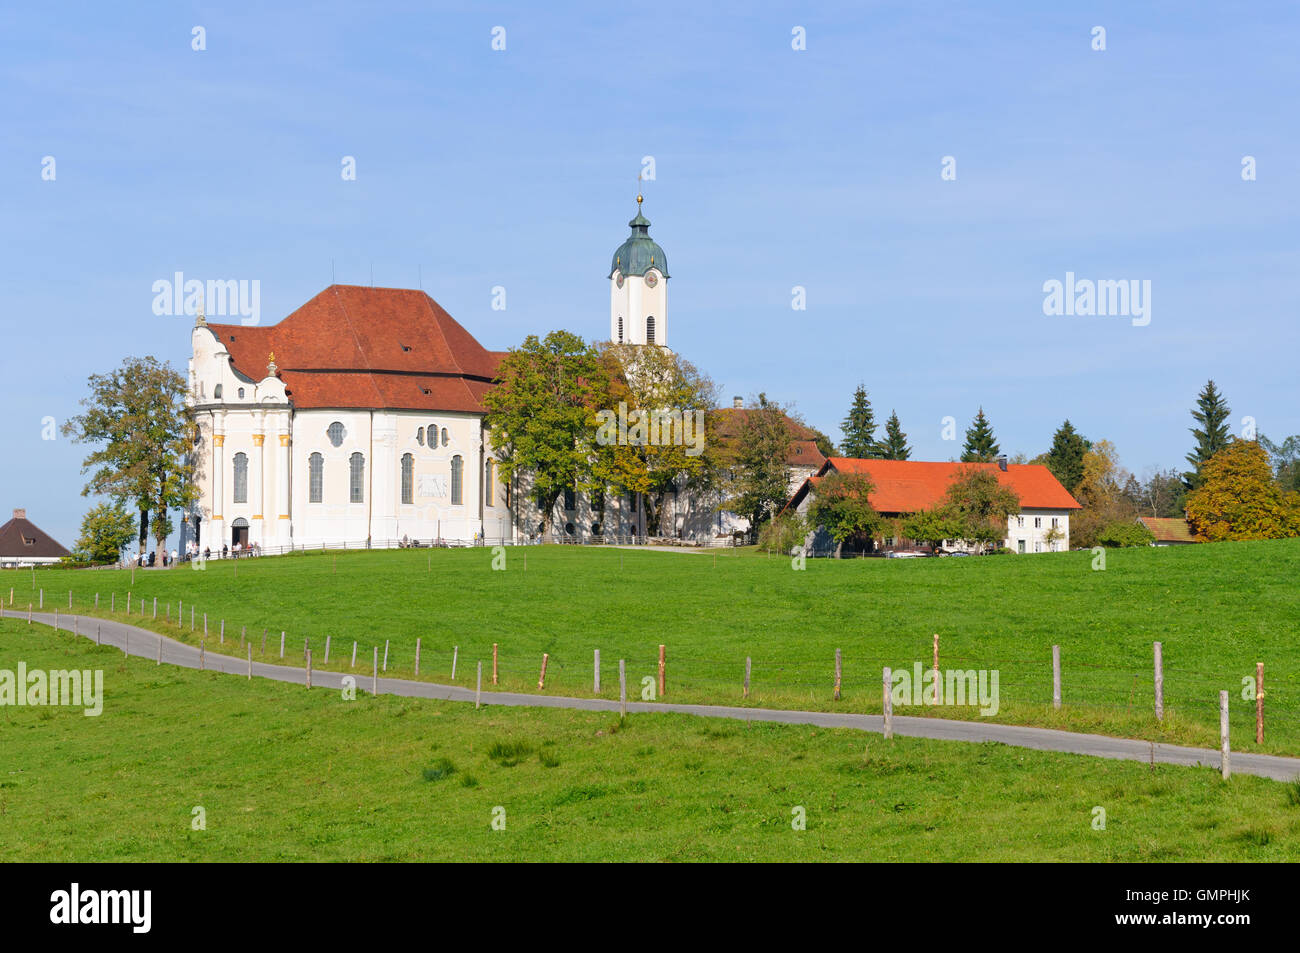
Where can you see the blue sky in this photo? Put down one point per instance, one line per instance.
(774, 168)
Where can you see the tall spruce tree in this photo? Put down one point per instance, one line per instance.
(1211, 436)
(1065, 459)
(981, 447)
(859, 428)
(894, 446)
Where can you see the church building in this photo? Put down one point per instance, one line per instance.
(359, 417)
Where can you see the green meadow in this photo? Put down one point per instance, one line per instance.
(1216, 609)
(277, 772)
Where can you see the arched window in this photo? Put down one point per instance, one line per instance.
(408, 478)
(356, 477)
(419, 436)
(444, 436)
(457, 480)
(336, 433)
(570, 499)
(620, 329)
(241, 393)
(241, 477)
(650, 330)
(216, 392)
(489, 482)
(315, 477)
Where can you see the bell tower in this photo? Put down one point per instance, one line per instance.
(638, 288)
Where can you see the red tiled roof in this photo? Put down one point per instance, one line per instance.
(353, 346)
(804, 453)
(1170, 529)
(907, 486)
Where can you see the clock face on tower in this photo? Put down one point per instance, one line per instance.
(618, 279)
(650, 279)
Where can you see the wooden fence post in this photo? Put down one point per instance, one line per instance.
(309, 668)
(386, 655)
(662, 687)
(455, 654)
(160, 650)
(936, 657)
(155, 604)
(838, 671)
(1160, 684)
(250, 661)
(887, 702)
(374, 678)
(417, 656)
(327, 648)
(99, 634)
(354, 654)
(541, 679)
(1056, 676)
(1259, 703)
(494, 663)
(748, 668)
(478, 685)
(1223, 734)
(281, 644)
(595, 674)
(622, 689)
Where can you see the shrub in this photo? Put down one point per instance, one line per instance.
(783, 534)
(1125, 533)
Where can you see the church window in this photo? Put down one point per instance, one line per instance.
(241, 477)
(408, 478)
(336, 433)
(620, 329)
(216, 392)
(570, 499)
(489, 482)
(356, 477)
(650, 330)
(315, 477)
(457, 480)
(444, 436)
(419, 436)
(241, 393)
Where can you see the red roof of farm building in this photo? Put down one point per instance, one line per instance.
(907, 486)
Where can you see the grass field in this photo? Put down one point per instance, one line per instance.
(287, 774)
(1217, 609)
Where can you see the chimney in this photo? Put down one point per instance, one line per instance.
(1002, 463)
(738, 403)
(20, 514)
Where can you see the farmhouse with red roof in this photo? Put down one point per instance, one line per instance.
(902, 487)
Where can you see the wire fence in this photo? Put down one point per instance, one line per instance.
(1120, 696)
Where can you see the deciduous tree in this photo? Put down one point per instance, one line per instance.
(137, 418)
(1239, 498)
(841, 505)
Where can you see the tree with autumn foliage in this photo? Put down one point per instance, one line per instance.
(643, 384)
(1101, 493)
(841, 505)
(1239, 498)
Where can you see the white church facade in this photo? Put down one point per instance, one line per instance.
(359, 418)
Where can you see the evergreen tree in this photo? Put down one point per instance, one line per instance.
(981, 447)
(1211, 436)
(894, 446)
(859, 428)
(1065, 459)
